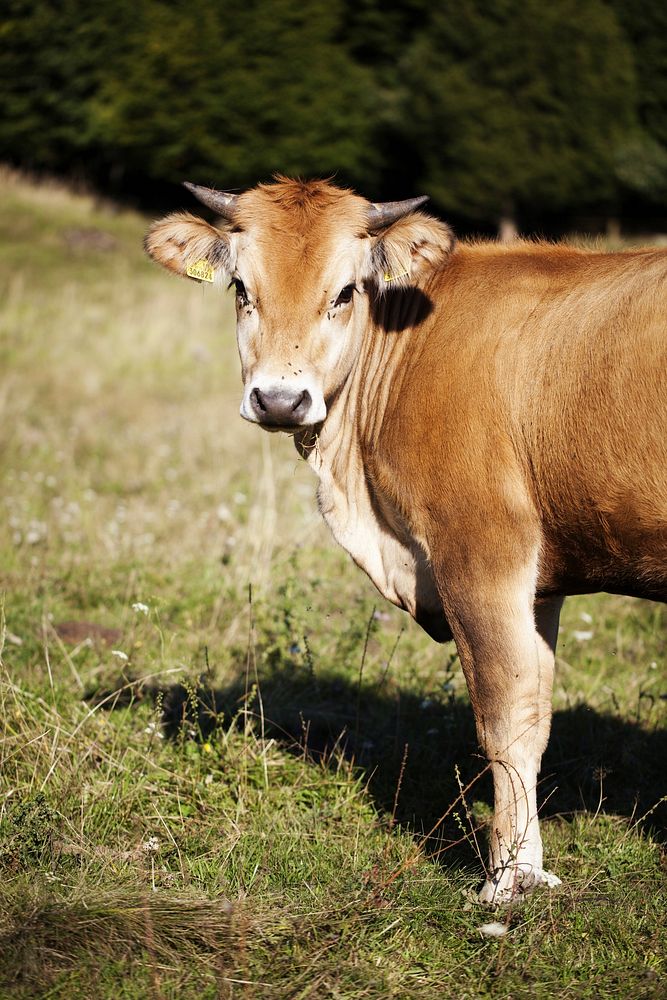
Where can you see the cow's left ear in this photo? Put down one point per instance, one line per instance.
(187, 245)
(409, 249)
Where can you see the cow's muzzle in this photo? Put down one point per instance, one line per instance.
(281, 407)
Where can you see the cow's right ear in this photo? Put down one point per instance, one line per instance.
(187, 245)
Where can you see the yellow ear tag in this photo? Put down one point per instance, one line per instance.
(393, 277)
(202, 271)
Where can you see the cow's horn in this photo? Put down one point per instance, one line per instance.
(385, 212)
(220, 201)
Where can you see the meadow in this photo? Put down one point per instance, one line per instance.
(228, 769)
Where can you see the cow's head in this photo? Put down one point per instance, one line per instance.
(304, 258)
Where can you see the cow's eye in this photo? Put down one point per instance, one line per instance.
(241, 293)
(345, 296)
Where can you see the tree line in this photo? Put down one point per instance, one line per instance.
(517, 109)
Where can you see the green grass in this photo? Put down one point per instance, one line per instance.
(283, 835)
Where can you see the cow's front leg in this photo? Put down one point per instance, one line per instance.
(506, 649)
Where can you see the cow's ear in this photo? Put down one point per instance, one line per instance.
(187, 245)
(409, 249)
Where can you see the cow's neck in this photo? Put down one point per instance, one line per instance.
(354, 417)
(340, 452)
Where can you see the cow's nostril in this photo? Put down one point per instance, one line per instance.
(303, 402)
(257, 401)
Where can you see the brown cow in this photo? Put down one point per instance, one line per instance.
(488, 424)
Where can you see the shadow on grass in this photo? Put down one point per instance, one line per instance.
(407, 746)
(385, 730)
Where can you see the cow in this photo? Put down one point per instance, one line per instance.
(488, 424)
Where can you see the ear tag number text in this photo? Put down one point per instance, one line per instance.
(202, 271)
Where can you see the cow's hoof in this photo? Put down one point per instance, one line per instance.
(511, 885)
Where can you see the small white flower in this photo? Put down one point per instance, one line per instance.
(494, 929)
(151, 846)
(582, 635)
(139, 606)
(36, 532)
(223, 513)
(120, 655)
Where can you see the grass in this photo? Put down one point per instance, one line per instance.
(224, 759)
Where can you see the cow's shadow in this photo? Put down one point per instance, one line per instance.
(417, 754)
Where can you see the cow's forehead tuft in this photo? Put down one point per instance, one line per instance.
(316, 210)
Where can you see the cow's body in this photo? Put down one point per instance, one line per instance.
(491, 437)
(539, 403)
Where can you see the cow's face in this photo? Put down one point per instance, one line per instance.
(302, 258)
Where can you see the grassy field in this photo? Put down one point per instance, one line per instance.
(228, 769)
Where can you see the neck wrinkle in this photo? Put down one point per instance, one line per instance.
(354, 421)
(393, 319)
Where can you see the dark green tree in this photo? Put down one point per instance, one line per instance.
(53, 58)
(492, 108)
(520, 103)
(162, 89)
(233, 93)
(378, 35)
(642, 160)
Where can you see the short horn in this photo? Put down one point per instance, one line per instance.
(220, 201)
(383, 213)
